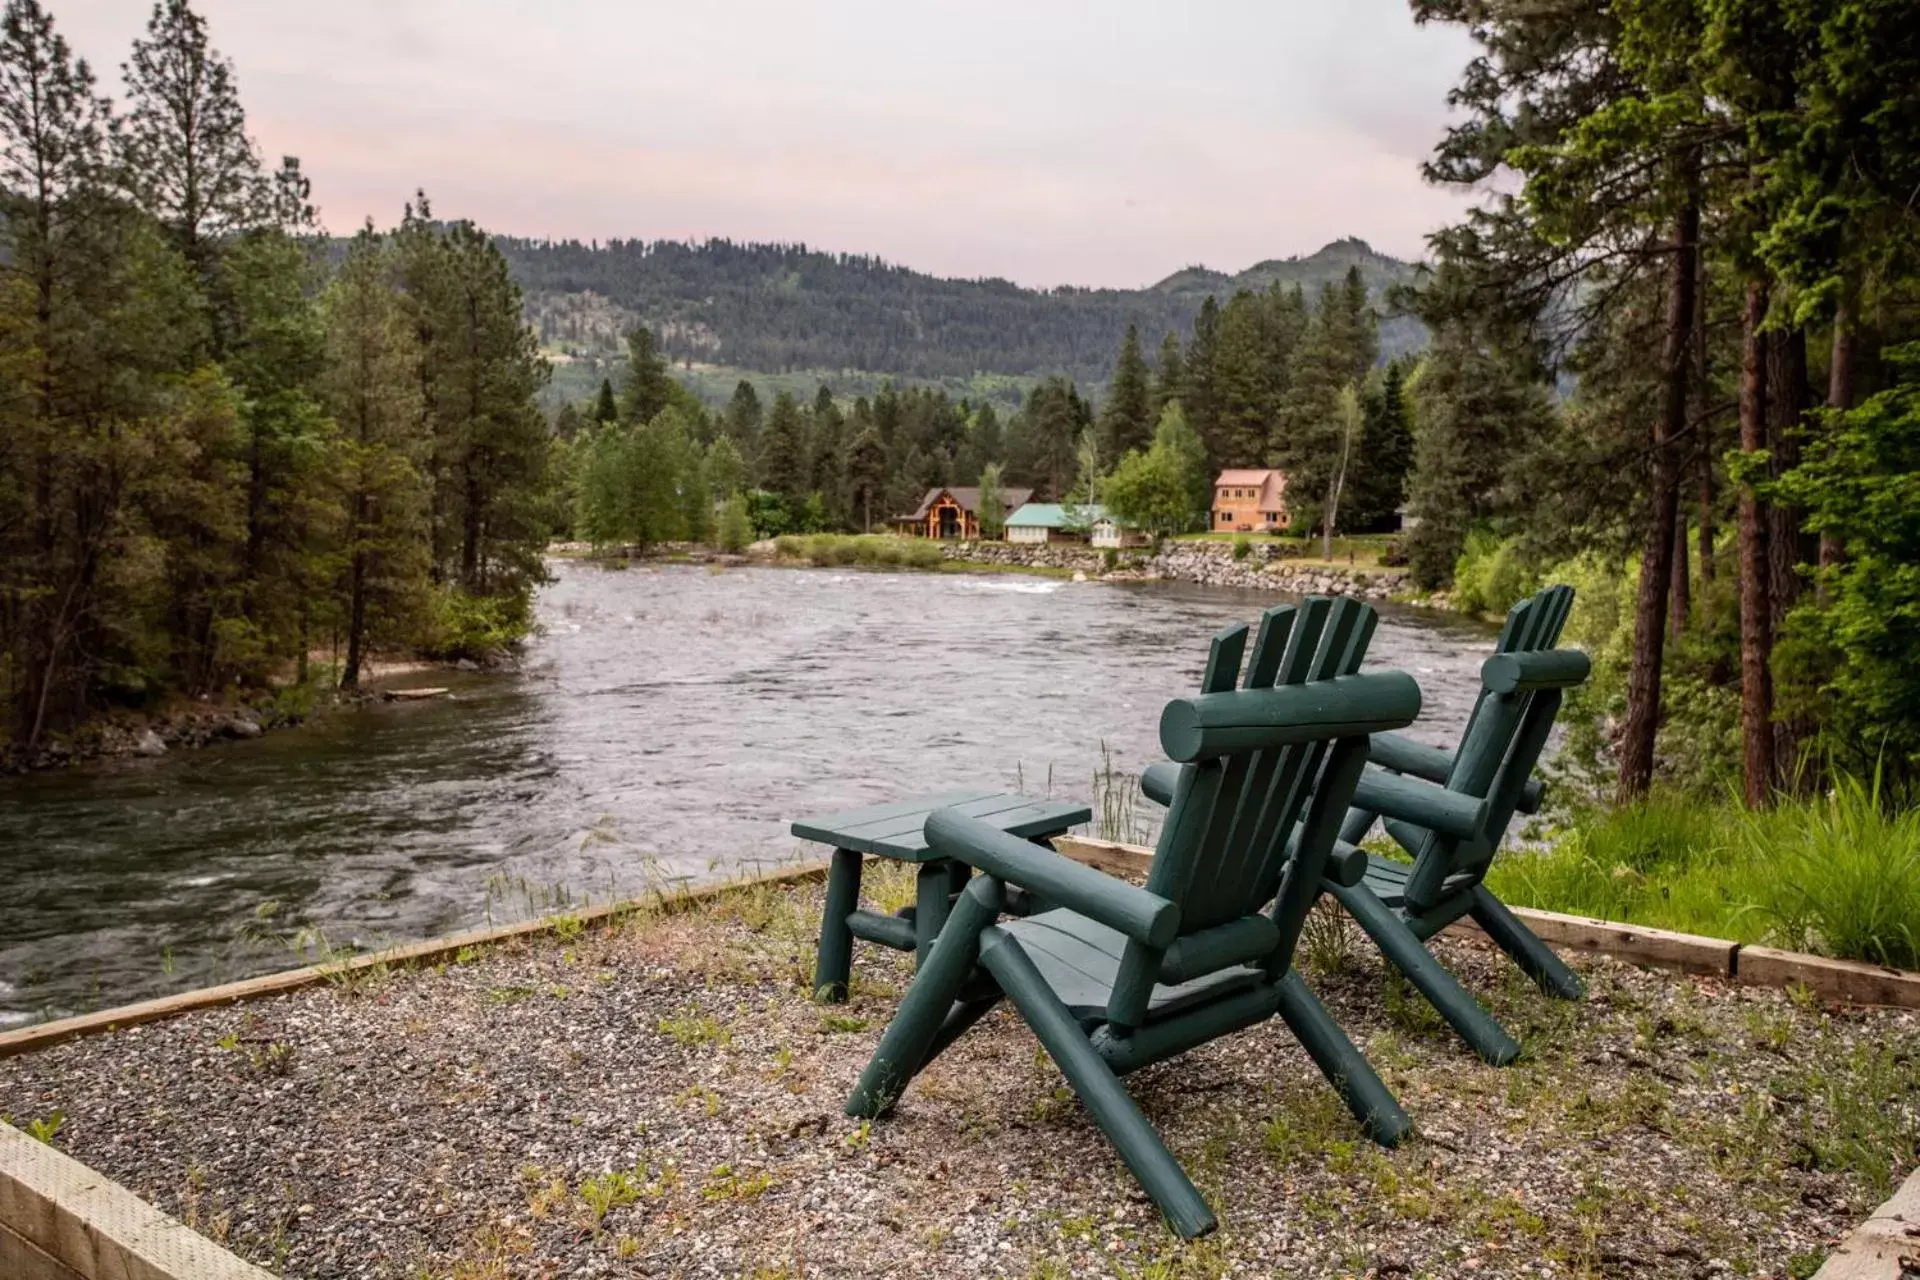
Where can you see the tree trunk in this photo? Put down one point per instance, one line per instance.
(1704, 418)
(1656, 558)
(1839, 399)
(1681, 590)
(1756, 616)
(1786, 409)
(356, 623)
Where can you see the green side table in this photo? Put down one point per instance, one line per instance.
(894, 831)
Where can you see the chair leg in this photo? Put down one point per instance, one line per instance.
(905, 1047)
(960, 1018)
(1345, 1068)
(1520, 942)
(933, 887)
(1099, 1089)
(834, 964)
(1405, 952)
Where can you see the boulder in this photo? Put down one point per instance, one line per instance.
(149, 743)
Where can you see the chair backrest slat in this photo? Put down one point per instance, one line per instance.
(1227, 861)
(1502, 742)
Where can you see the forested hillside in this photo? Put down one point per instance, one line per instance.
(779, 308)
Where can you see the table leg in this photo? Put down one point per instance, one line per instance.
(933, 886)
(835, 962)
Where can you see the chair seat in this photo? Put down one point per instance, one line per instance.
(1388, 879)
(1080, 958)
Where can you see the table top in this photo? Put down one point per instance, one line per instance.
(893, 830)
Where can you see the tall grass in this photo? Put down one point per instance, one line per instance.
(874, 549)
(1837, 874)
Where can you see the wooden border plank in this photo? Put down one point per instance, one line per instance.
(89, 1225)
(1845, 980)
(1874, 1249)
(21, 1259)
(47, 1034)
(1109, 856)
(1661, 948)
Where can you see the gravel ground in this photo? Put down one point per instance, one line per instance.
(659, 1098)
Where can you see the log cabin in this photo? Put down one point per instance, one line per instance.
(954, 513)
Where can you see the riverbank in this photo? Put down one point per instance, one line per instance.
(1247, 565)
(656, 1094)
(182, 724)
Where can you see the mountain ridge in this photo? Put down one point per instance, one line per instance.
(781, 308)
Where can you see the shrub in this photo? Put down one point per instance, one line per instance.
(735, 529)
(875, 549)
(1242, 548)
(1490, 576)
(466, 626)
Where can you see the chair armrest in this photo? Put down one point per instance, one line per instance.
(1402, 754)
(1398, 752)
(1157, 781)
(1144, 917)
(1346, 863)
(1422, 803)
(1526, 672)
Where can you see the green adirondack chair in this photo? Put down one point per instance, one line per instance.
(1115, 976)
(1450, 814)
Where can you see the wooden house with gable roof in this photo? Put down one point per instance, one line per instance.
(954, 513)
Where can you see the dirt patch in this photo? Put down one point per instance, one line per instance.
(659, 1097)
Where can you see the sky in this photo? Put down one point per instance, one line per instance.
(1050, 142)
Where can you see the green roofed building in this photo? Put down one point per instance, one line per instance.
(1054, 522)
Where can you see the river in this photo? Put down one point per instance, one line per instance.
(668, 723)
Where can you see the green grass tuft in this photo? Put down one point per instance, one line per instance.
(1837, 874)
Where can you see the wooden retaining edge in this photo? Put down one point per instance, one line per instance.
(59, 1220)
(1843, 980)
(48, 1034)
(1877, 1248)
(1659, 948)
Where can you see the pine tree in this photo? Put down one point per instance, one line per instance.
(726, 471)
(1169, 379)
(867, 475)
(605, 407)
(1125, 421)
(372, 387)
(744, 419)
(185, 149)
(1385, 455)
(1473, 409)
(1198, 396)
(1247, 381)
(783, 454)
(649, 387)
(276, 359)
(827, 470)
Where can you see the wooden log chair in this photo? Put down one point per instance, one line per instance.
(1115, 976)
(1450, 813)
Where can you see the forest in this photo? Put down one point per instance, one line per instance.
(1709, 235)
(777, 308)
(1268, 379)
(224, 451)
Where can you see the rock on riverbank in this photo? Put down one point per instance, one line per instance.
(1211, 564)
